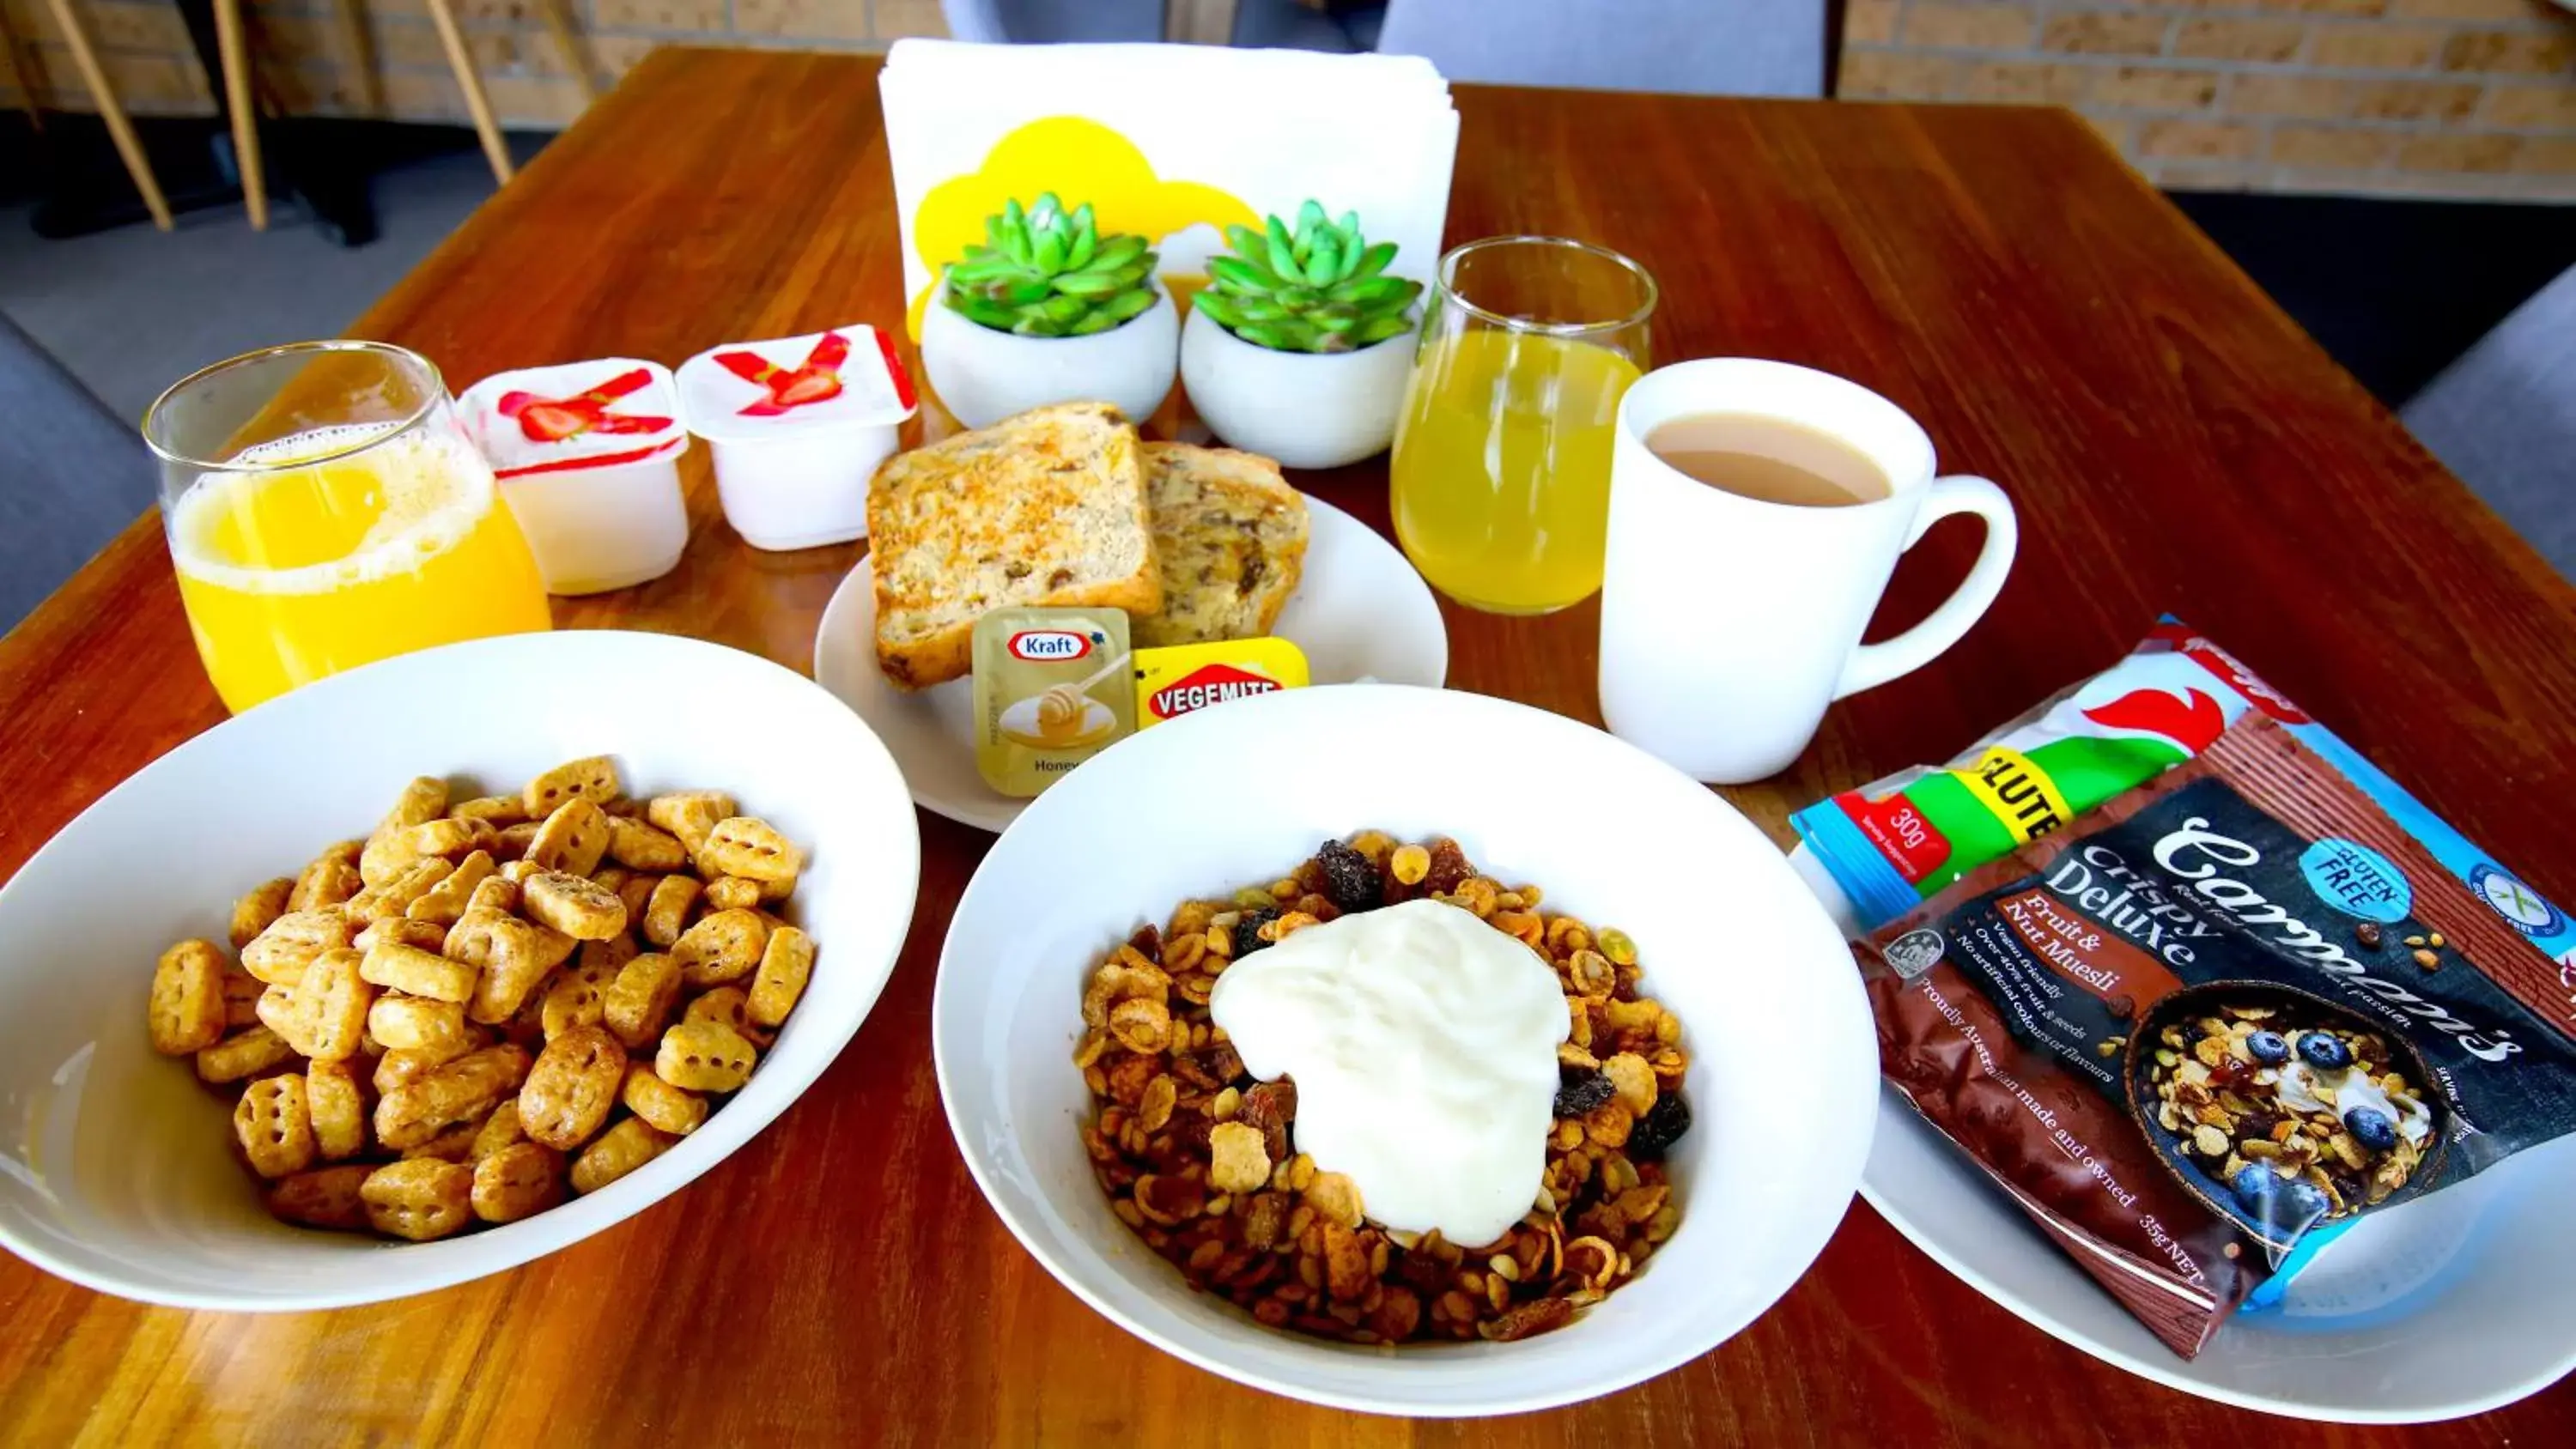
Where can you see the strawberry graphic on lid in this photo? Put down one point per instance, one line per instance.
(817, 380)
(796, 425)
(551, 420)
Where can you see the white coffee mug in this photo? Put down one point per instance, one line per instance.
(1728, 623)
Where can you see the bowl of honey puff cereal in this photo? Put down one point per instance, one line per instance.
(403, 965)
(1404, 1050)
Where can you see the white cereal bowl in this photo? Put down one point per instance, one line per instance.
(115, 1169)
(1784, 1075)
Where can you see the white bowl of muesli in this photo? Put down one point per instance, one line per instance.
(1404, 1050)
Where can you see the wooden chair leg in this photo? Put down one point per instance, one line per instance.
(16, 75)
(129, 147)
(477, 105)
(244, 108)
(361, 55)
(559, 23)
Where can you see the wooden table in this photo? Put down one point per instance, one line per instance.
(2172, 441)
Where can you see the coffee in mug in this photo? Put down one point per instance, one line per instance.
(1756, 512)
(1767, 458)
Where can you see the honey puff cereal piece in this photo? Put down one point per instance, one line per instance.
(187, 1010)
(513, 841)
(279, 954)
(421, 801)
(666, 914)
(658, 1102)
(328, 881)
(396, 1068)
(637, 893)
(634, 1006)
(417, 972)
(579, 908)
(326, 1197)
(578, 996)
(456, 1144)
(592, 778)
(732, 893)
(751, 848)
(720, 949)
(416, 1023)
(279, 1011)
(458, 1091)
(498, 811)
(518, 1181)
(571, 840)
(513, 956)
(419, 1198)
(394, 896)
(730, 1005)
(499, 1130)
(264, 904)
(336, 1108)
(638, 846)
(785, 963)
(243, 1054)
(620, 1150)
(446, 837)
(572, 1088)
(705, 1056)
(332, 1006)
(690, 815)
(446, 902)
(275, 1132)
(241, 998)
(494, 893)
(401, 931)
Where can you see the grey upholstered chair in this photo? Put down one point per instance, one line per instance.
(71, 474)
(1710, 47)
(2503, 417)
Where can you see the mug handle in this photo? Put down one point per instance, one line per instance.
(1872, 665)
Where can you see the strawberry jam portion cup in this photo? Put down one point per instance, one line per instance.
(588, 454)
(798, 425)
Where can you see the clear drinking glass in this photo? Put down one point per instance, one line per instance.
(1501, 475)
(324, 510)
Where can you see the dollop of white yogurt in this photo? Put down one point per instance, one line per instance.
(1423, 1043)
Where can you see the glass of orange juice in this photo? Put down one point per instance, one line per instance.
(1501, 474)
(325, 510)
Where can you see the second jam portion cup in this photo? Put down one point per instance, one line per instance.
(798, 426)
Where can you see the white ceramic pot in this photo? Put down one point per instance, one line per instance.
(1306, 409)
(985, 376)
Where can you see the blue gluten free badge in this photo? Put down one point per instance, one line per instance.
(2357, 880)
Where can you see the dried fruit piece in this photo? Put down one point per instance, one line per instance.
(1247, 929)
(1351, 879)
(1660, 1128)
(1581, 1089)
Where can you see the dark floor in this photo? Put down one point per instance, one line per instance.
(2394, 290)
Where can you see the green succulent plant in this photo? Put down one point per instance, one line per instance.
(1318, 288)
(1046, 272)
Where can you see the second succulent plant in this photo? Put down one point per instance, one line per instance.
(1318, 288)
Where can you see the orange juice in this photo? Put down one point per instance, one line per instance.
(1501, 475)
(291, 573)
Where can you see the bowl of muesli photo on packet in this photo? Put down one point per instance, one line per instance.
(1404, 1050)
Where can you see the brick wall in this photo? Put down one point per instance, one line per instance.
(308, 58)
(2473, 98)
(2460, 98)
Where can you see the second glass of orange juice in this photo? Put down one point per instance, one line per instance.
(325, 510)
(1501, 474)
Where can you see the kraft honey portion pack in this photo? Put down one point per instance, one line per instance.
(2227, 1012)
(1052, 689)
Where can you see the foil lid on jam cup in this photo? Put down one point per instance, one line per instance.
(798, 426)
(588, 458)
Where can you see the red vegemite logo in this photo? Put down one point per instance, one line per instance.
(1207, 685)
(1048, 646)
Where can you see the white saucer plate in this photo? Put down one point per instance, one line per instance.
(1360, 612)
(2449, 1305)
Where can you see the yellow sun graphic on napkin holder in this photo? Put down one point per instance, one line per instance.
(1079, 160)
